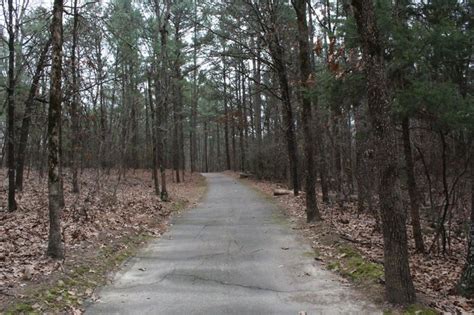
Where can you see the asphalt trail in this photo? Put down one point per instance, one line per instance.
(232, 254)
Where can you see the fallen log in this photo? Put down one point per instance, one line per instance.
(281, 192)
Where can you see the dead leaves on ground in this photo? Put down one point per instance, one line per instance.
(90, 220)
(435, 276)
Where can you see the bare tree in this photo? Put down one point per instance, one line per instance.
(11, 110)
(55, 248)
(75, 101)
(399, 285)
(312, 211)
(29, 103)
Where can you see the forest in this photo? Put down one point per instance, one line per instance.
(360, 112)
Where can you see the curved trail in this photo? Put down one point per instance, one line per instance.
(232, 254)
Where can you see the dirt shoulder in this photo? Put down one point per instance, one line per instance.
(103, 226)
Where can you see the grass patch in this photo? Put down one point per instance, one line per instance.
(350, 264)
(416, 309)
(75, 285)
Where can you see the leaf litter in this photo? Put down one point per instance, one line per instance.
(435, 276)
(105, 212)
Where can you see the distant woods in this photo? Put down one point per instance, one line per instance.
(341, 100)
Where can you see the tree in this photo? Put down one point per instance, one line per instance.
(11, 110)
(399, 285)
(412, 187)
(268, 20)
(312, 212)
(162, 78)
(466, 283)
(75, 101)
(29, 103)
(55, 248)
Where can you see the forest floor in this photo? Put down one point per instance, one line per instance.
(102, 226)
(348, 243)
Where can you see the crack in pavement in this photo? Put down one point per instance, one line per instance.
(224, 283)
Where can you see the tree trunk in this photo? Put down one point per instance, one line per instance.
(154, 141)
(323, 172)
(276, 51)
(55, 248)
(312, 211)
(361, 163)
(162, 79)
(241, 91)
(25, 126)
(206, 161)
(103, 110)
(194, 101)
(336, 143)
(182, 158)
(466, 284)
(226, 114)
(399, 285)
(74, 105)
(257, 102)
(232, 126)
(218, 144)
(176, 155)
(11, 111)
(412, 188)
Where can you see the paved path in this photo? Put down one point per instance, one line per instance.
(232, 254)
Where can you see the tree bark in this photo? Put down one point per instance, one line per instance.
(276, 51)
(194, 101)
(103, 109)
(25, 126)
(232, 130)
(74, 105)
(241, 90)
(466, 284)
(226, 114)
(55, 248)
(154, 141)
(312, 211)
(399, 285)
(361, 163)
(205, 158)
(162, 80)
(11, 111)
(412, 188)
(257, 102)
(176, 155)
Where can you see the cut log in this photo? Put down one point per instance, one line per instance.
(281, 192)
(245, 175)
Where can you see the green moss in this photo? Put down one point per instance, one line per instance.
(335, 266)
(70, 290)
(361, 270)
(21, 308)
(80, 270)
(416, 309)
(352, 265)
